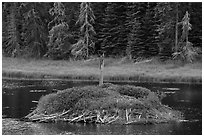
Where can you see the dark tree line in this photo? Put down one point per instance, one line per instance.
(125, 29)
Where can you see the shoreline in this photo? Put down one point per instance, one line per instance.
(114, 71)
(120, 79)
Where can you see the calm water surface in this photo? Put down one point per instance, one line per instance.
(20, 97)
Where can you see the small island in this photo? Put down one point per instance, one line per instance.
(105, 104)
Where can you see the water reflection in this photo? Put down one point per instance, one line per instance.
(90, 129)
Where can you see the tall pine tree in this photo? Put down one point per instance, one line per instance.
(149, 30)
(107, 32)
(186, 52)
(99, 10)
(141, 35)
(133, 24)
(34, 30)
(11, 35)
(86, 43)
(166, 17)
(114, 32)
(58, 47)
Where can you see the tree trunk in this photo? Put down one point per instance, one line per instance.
(87, 34)
(176, 33)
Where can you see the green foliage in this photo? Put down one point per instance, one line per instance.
(79, 49)
(165, 15)
(135, 30)
(186, 26)
(186, 52)
(34, 32)
(107, 33)
(113, 35)
(195, 11)
(86, 19)
(148, 27)
(58, 44)
(142, 30)
(134, 26)
(58, 11)
(11, 36)
(99, 10)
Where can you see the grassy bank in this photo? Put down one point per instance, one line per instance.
(115, 70)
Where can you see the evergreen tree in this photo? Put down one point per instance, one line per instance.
(99, 10)
(165, 14)
(72, 14)
(86, 19)
(135, 30)
(186, 50)
(141, 26)
(107, 31)
(121, 30)
(58, 46)
(149, 31)
(114, 32)
(195, 10)
(34, 31)
(11, 36)
(133, 24)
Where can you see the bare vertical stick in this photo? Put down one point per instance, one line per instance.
(101, 69)
(126, 114)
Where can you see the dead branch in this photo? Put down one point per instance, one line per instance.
(113, 120)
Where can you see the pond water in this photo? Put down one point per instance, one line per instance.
(19, 97)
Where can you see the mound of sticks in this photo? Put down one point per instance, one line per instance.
(107, 104)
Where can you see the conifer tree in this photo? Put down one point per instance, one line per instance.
(149, 31)
(165, 14)
(195, 10)
(114, 32)
(186, 51)
(34, 31)
(108, 33)
(58, 33)
(121, 30)
(11, 36)
(86, 19)
(99, 10)
(141, 25)
(133, 25)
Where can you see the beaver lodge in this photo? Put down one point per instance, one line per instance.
(106, 104)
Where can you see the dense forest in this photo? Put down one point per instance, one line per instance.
(118, 29)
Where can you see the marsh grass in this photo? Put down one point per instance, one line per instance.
(115, 70)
